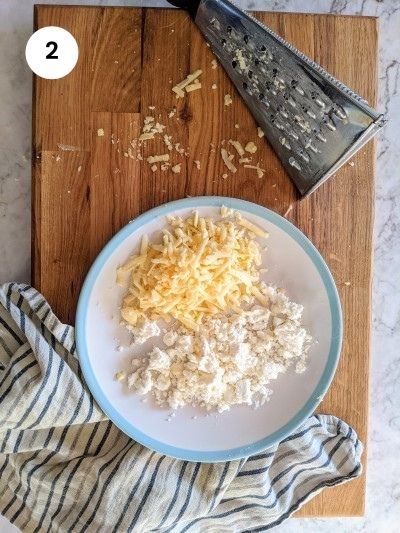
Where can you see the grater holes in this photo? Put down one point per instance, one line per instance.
(246, 39)
(261, 96)
(263, 48)
(274, 72)
(250, 74)
(229, 30)
(245, 86)
(234, 64)
(223, 42)
(294, 84)
(314, 95)
(256, 62)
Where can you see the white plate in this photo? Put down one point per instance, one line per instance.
(293, 263)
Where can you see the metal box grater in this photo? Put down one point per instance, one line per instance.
(313, 121)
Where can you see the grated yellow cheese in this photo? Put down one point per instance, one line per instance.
(238, 147)
(227, 159)
(200, 267)
(260, 171)
(176, 168)
(178, 89)
(193, 87)
(157, 158)
(251, 147)
(227, 100)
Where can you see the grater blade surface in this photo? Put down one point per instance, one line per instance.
(314, 122)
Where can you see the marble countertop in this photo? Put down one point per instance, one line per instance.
(383, 485)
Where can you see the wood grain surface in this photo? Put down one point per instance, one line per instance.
(85, 188)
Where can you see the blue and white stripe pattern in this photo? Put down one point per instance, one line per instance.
(65, 467)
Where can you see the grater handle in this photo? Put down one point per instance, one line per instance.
(190, 5)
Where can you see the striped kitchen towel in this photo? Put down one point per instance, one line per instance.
(65, 467)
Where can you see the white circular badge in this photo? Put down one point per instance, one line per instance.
(52, 52)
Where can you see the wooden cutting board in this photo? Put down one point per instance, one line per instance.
(85, 188)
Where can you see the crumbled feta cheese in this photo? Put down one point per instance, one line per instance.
(146, 330)
(230, 361)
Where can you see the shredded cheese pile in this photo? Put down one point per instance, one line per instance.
(201, 267)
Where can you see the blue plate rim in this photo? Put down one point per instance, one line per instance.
(298, 418)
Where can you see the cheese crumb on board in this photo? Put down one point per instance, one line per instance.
(179, 148)
(214, 86)
(154, 168)
(172, 112)
(251, 147)
(238, 147)
(176, 168)
(288, 210)
(100, 132)
(260, 171)
(168, 141)
(260, 132)
(178, 89)
(231, 361)
(217, 259)
(237, 126)
(227, 159)
(146, 136)
(227, 100)
(214, 64)
(197, 163)
(158, 158)
(150, 128)
(192, 87)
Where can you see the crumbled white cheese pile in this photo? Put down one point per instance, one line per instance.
(229, 361)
